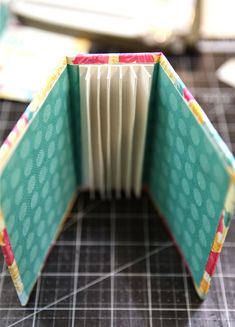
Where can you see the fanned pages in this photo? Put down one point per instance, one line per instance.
(108, 141)
(115, 122)
(95, 129)
(128, 119)
(119, 135)
(105, 125)
(85, 130)
(89, 129)
(100, 168)
(115, 111)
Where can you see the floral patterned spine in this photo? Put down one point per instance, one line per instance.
(91, 59)
(122, 58)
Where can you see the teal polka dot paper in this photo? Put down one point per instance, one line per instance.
(187, 180)
(38, 183)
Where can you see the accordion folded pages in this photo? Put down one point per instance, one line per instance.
(114, 111)
(114, 123)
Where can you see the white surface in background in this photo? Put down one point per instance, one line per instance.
(226, 73)
(218, 19)
(28, 56)
(128, 19)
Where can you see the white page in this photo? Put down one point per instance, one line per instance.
(115, 132)
(125, 123)
(99, 136)
(95, 129)
(142, 100)
(119, 135)
(149, 68)
(88, 126)
(108, 141)
(128, 118)
(104, 121)
(84, 127)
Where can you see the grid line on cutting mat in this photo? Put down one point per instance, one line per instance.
(113, 264)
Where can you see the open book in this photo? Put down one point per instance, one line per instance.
(114, 123)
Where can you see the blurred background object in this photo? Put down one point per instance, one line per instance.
(29, 55)
(129, 24)
(218, 19)
(35, 34)
(226, 73)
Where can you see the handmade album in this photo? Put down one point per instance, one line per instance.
(115, 124)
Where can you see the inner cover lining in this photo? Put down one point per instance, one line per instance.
(184, 173)
(39, 182)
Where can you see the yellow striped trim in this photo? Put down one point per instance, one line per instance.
(230, 199)
(231, 172)
(218, 243)
(204, 285)
(156, 57)
(197, 110)
(113, 59)
(167, 68)
(15, 275)
(2, 223)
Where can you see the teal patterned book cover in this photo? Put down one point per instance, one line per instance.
(114, 123)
